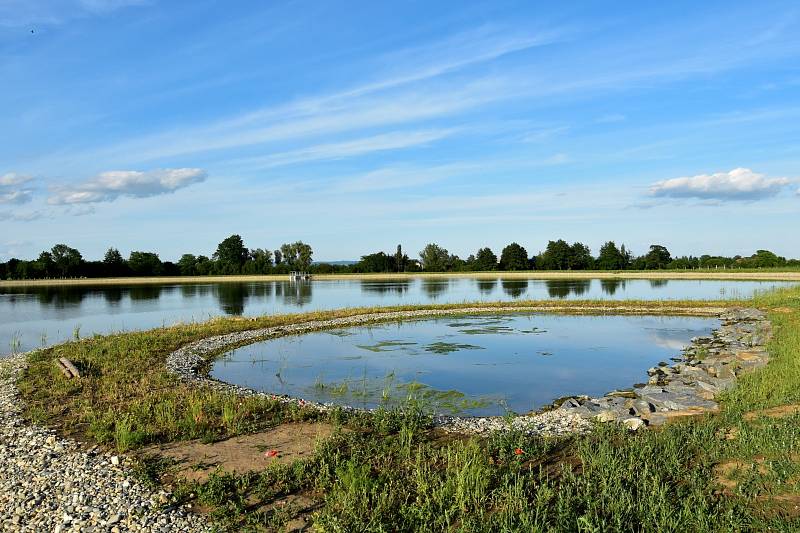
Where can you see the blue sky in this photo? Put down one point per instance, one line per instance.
(355, 126)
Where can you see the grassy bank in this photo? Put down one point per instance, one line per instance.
(715, 274)
(390, 471)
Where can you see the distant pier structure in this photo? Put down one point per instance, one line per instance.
(299, 275)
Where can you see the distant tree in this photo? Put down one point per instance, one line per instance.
(400, 259)
(203, 266)
(580, 257)
(657, 258)
(297, 255)
(113, 263)
(258, 262)
(556, 256)
(145, 264)
(485, 259)
(278, 257)
(46, 264)
(611, 257)
(434, 258)
(763, 259)
(231, 255)
(514, 257)
(67, 260)
(187, 265)
(377, 262)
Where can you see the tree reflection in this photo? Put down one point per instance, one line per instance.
(563, 288)
(145, 292)
(658, 283)
(294, 292)
(514, 287)
(610, 286)
(434, 287)
(487, 286)
(397, 286)
(231, 297)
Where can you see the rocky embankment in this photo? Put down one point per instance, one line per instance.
(708, 366)
(49, 484)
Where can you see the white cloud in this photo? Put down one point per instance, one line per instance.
(738, 184)
(13, 190)
(109, 186)
(20, 217)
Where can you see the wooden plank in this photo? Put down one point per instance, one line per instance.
(64, 370)
(69, 366)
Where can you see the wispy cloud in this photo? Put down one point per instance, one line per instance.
(14, 188)
(738, 184)
(109, 186)
(375, 143)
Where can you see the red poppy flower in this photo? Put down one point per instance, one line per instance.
(518, 451)
(271, 453)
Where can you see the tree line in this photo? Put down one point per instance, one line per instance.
(560, 255)
(232, 257)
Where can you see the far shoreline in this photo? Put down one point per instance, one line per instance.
(763, 275)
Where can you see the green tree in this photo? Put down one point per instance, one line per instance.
(259, 262)
(113, 263)
(434, 258)
(377, 262)
(514, 257)
(485, 259)
(580, 257)
(657, 258)
(144, 263)
(556, 256)
(46, 265)
(187, 265)
(67, 260)
(231, 255)
(610, 257)
(297, 255)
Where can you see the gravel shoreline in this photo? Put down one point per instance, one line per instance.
(708, 366)
(49, 484)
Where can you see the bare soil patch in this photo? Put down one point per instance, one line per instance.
(196, 460)
(780, 411)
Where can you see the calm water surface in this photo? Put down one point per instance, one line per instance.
(30, 317)
(479, 365)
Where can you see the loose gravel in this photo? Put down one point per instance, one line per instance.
(48, 484)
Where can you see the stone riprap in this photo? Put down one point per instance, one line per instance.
(708, 366)
(49, 484)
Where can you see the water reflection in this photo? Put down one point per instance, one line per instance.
(479, 365)
(487, 286)
(563, 288)
(147, 292)
(295, 293)
(113, 296)
(610, 286)
(435, 287)
(28, 312)
(515, 287)
(395, 286)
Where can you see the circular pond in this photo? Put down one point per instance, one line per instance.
(467, 365)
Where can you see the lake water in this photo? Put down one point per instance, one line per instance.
(477, 365)
(30, 317)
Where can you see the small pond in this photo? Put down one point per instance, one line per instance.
(468, 365)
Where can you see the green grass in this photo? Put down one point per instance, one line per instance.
(391, 472)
